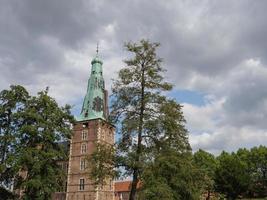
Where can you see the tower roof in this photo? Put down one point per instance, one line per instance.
(96, 60)
(95, 100)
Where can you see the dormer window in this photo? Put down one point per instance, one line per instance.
(86, 113)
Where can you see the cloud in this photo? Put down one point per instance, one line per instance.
(228, 138)
(203, 118)
(216, 48)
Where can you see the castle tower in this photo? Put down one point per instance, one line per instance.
(91, 127)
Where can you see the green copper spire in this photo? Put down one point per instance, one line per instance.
(95, 100)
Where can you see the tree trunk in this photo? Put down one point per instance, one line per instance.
(134, 185)
(139, 140)
(208, 197)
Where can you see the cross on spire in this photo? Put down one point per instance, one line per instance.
(97, 46)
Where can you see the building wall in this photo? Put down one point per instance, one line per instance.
(97, 131)
(59, 196)
(122, 195)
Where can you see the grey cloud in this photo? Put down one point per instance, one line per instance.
(71, 22)
(246, 99)
(35, 35)
(203, 45)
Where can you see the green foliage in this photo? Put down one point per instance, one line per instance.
(206, 163)
(231, 176)
(147, 121)
(243, 173)
(12, 104)
(37, 124)
(169, 173)
(257, 158)
(171, 176)
(7, 195)
(101, 163)
(153, 142)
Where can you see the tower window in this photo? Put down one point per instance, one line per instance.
(83, 148)
(82, 164)
(81, 185)
(98, 104)
(86, 113)
(84, 134)
(110, 184)
(85, 125)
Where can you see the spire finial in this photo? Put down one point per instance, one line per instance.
(97, 46)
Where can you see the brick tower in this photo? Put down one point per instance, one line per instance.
(91, 127)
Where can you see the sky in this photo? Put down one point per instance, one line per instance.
(215, 54)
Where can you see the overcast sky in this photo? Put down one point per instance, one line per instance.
(215, 52)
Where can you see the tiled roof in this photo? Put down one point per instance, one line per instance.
(124, 186)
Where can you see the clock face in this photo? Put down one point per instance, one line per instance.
(98, 104)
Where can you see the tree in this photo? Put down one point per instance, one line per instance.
(147, 121)
(12, 104)
(101, 163)
(257, 161)
(38, 125)
(139, 104)
(171, 176)
(169, 173)
(206, 163)
(231, 175)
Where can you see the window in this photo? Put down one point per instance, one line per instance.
(84, 134)
(103, 134)
(110, 184)
(86, 113)
(82, 164)
(81, 185)
(83, 148)
(85, 125)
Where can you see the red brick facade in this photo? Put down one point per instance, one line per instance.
(85, 134)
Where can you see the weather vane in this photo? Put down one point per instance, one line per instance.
(97, 46)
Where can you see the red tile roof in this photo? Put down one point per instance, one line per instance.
(124, 186)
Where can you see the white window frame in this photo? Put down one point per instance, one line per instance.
(83, 148)
(81, 186)
(84, 134)
(82, 164)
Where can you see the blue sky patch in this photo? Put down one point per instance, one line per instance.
(188, 96)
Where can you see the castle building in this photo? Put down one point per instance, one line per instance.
(90, 128)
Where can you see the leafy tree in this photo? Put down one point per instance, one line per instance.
(148, 122)
(206, 163)
(12, 103)
(171, 176)
(38, 125)
(145, 115)
(258, 171)
(231, 177)
(44, 125)
(101, 163)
